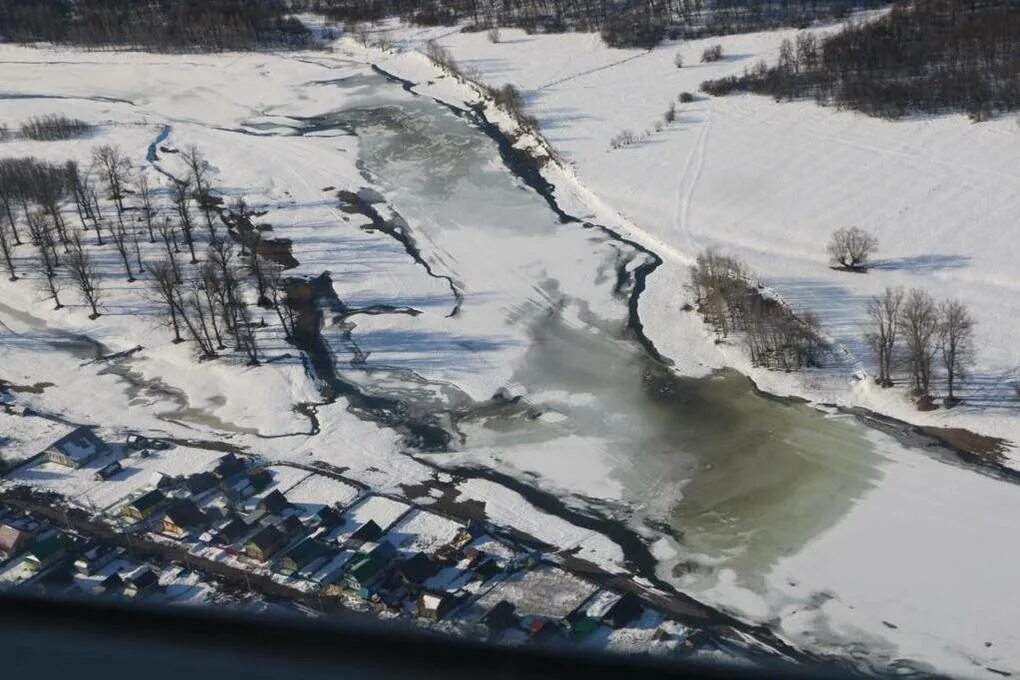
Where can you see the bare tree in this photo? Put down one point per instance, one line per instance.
(199, 168)
(83, 274)
(279, 297)
(919, 324)
(884, 317)
(163, 282)
(180, 200)
(166, 234)
(42, 236)
(852, 248)
(956, 342)
(145, 194)
(121, 242)
(115, 168)
(6, 248)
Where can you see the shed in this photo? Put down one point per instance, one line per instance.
(108, 471)
(369, 531)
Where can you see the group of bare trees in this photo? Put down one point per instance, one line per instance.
(203, 299)
(54, 126)
(621, 23)
(910, 329)
(927, 55)
(163, 25)
(730, 300)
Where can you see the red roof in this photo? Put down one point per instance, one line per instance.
(11, 538)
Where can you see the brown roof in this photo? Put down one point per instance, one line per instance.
(11, 537)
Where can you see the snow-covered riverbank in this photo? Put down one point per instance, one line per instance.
(769, 182)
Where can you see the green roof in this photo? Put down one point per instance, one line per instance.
(46, 548)
(149, 500)
(583, 625)
(366, 569)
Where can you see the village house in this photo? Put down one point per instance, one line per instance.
(95, 558)
(500, 617)
(13, 539)
(200, 483)
(77, 448)
(228, 466)
(327, 517)
(111, 585)
(142, 583)
(232, 532)
(414, 571)
(368, 532)
(264, 544)
(46, 552)
(184, 518)
(274, 503)
(367, 570)
(143, 506)
(305, 554)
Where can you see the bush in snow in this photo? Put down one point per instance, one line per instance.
(493, 35)
(678, 60)
(686, 97)
(625, 138)
(54, 127)
(713, 53)
(670, 114)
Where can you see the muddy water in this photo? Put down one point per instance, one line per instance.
(736, 479)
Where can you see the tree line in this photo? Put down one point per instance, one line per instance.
(159, 25)
(622, 23)
(923, 56)
(66, 223)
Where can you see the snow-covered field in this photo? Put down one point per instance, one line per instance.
(913, 566)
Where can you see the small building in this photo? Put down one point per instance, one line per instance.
(627, 609)
(264, 544)
(304, 554)
(143, 506)
(77, 448)
(46, 552)
(95, 558)
(108, 471)
(414, 571)
(228, 466)
(367, 570)
(485, 569)
(183, 518)
(13, 539)
(434, 605)
(274, 503)
(580, 625)
(291, 526)
(500, 617)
